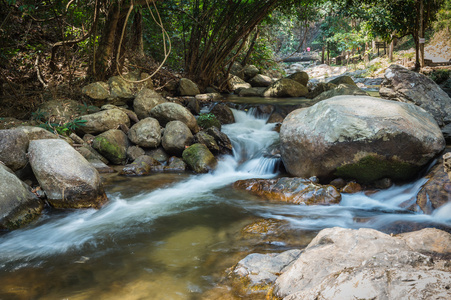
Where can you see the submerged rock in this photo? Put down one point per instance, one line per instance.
(291, 190)
(367, 264)
(68, 179)
(18, 206)
(223, 141)
(362, 138)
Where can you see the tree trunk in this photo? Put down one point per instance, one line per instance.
(421, 34)
(390, 50)
(136, 42)
(251, 47)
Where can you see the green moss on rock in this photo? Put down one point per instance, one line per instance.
(111, 151)
(371, 168)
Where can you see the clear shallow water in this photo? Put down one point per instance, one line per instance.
(171, 236)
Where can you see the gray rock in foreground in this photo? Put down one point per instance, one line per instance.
(367, 264)
(68, 179)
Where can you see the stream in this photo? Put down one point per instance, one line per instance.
(173, 235)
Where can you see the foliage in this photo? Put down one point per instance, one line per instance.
(207, 120)
(87, 109)
(64, 129)
(443, 21)
(38, 115)
(440, 76)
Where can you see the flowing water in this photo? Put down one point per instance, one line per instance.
(172, 236)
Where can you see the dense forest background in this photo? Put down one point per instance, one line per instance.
(51, 48)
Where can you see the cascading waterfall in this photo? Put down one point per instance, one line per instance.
(159, 243)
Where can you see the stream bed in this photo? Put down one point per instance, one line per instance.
(173, 235)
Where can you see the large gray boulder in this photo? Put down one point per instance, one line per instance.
(176, 138)
(250, 71)
(18, 206)
(146, 133)
(167, 112)
(363, 138)
(286, 87)
(145, 100)
(223, 113)
(112, 144)
(367, 264)
(121, 91)
(235, 83)
(343, 80)
(188, 88)
(403, 85)
(13, 148)
(104, 120)
(68, 179)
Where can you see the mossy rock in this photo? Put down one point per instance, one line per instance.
(112, 150)
(208, 120)
(371, 168)
(199, 158)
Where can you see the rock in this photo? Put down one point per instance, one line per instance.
(343, 80)
(209, 97)
(223, 141)
(341, 90)
(260, 80)
(37, 133)
(205, 139)
(131, 114)
(275, 117)
(223, 113)
(367, 264)
(447, 163)
(90, 154)
(235, 84)
(68, 179)
(145, 100)
(192, 104)
(176, 138)
(188, 88)
(175, 164)
(286, 88)
(18, 206)
(199, 158)
(97, 90)
(262, 270)
(100, 166)
(208, 120)
(362, 138)
(167, 112)
(133, 152)
(13, 148)
(320, 88)
(158, 154)
(291, 190)
(112, 144)
(436, 192)
(104, 120)
(146, 133)
(143, 165)
(351, 188)
(250, 71)
(403, 85)
(446, 130)
(301, 77)
(59, 111)
(237, 69)
(121, 91)
(252, 92)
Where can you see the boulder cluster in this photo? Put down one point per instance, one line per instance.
(155, 135)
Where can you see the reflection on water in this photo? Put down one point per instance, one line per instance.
(171, 236)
